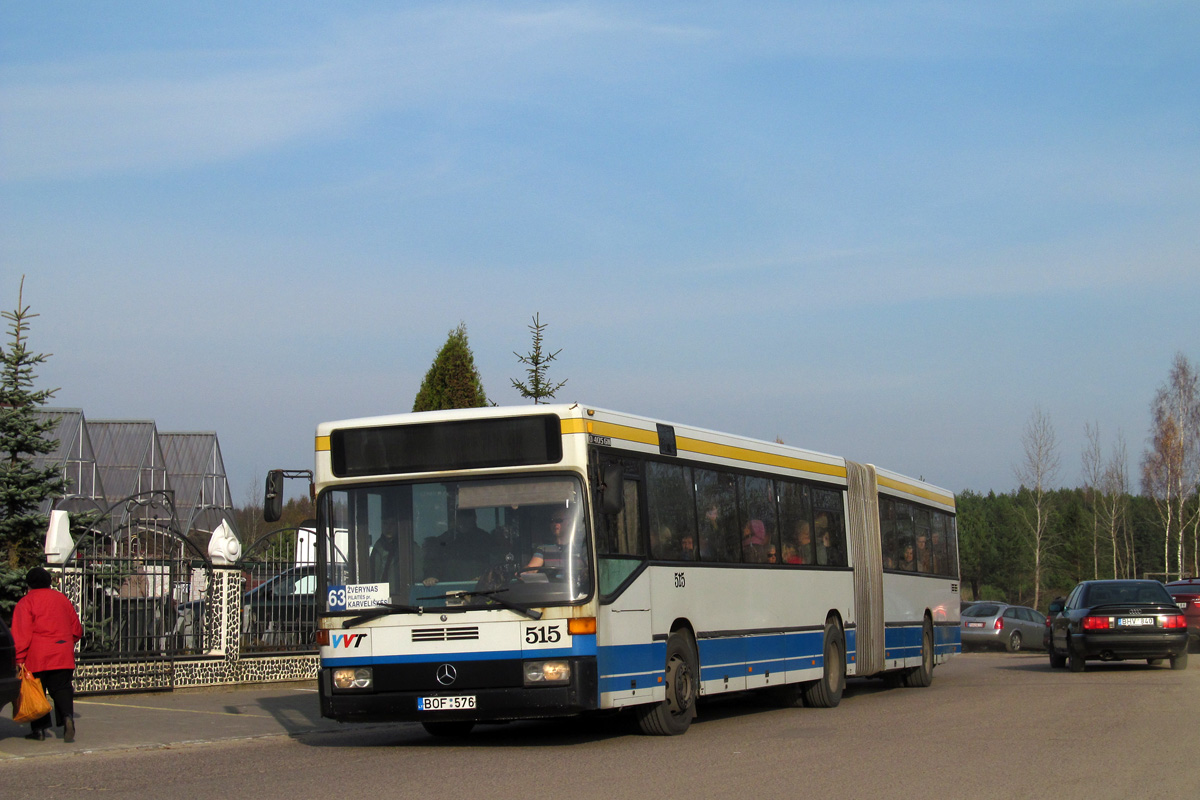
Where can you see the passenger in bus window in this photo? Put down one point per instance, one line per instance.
(754, 542)
(790, 556)
(687, 547)
(662, 543)
(772, 554)
(924, 557)
(804, 547)
(909, 563)
(461, 554)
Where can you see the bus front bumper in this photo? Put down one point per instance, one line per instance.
(580, 694)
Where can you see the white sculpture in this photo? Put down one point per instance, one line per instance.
(223, 547)
(59, 543)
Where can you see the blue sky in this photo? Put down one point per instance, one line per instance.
(888, 231)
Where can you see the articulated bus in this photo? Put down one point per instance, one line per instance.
(493, 564)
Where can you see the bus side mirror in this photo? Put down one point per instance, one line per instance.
(273, 496)
(612, 496)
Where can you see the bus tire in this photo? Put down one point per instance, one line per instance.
(827, 692)
(448, 729)
(922, 676)
(674, 715)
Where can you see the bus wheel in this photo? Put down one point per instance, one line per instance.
(674, 715)
(447, 729)
(827, 692)
(922, 676)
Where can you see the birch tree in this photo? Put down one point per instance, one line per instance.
(1037, 473)
(1093, 474)
(1171, 462)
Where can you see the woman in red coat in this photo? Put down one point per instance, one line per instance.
(46, 628)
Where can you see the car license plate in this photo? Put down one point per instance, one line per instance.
(974, 624)
(1135, 622)
(459, 701)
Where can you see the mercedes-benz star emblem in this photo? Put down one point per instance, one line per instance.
(446, 674)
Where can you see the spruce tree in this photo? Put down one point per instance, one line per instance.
(538, 389)
(23, 486)
(452, 381)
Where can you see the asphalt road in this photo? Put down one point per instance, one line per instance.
(992, 725)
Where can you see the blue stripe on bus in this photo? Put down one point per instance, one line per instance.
(738, 656)
(581, 645)
(631, 666)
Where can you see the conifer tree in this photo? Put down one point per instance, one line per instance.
(23, 486)
(538, 389)
(452, 381)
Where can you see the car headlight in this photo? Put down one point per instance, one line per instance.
(540, 673)
(353, 678)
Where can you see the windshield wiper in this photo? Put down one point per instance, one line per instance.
(382, 609)
(491, 595)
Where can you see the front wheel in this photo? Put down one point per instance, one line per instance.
(827, 692)
(674, 715)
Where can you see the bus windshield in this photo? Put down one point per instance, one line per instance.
(458, 544)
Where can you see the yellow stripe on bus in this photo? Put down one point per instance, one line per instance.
(759, 457)
(641, 436)
(909, 488)
(322, 444)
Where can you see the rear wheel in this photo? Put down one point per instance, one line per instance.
(1014, 642)
(922, 676)
(447, 729)
(674, 715)
(827, 692)
(1180, 661)
(1057, 659)
(1075, 662)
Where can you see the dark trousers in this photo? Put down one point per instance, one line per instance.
(57, 683)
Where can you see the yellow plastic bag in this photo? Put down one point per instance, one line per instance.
(32, 703)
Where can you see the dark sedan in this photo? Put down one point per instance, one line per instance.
(1115, 621)
(10, 685)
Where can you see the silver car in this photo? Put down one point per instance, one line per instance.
(1002, 625)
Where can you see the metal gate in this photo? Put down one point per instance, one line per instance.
(278, 607)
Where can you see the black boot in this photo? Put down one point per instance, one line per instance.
(69, 730)
(37, 736)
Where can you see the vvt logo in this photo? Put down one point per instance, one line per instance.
(347, 640)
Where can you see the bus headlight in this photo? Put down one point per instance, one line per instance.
(540, 673)
(353, 678)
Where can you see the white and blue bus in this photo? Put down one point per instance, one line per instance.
(550, 560)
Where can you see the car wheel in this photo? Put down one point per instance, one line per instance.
(1180, 661)
(1014, 642)
(1057, 659)
(1075, 662)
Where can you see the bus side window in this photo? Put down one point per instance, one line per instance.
(716, 515)
(828, 528)
(620, 533)
(670, 502)
(795, 523)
